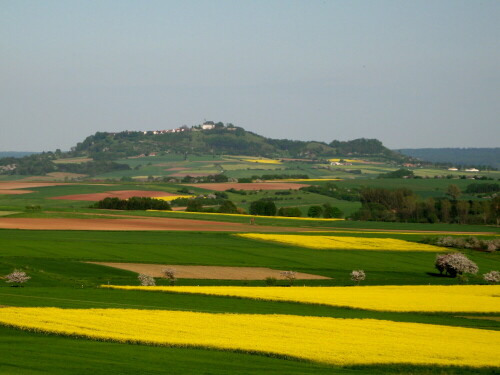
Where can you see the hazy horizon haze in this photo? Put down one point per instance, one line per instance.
(411, 74)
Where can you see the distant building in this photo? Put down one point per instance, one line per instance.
(453, 169)
(208, 125)
(472, 170)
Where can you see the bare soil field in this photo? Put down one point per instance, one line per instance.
(136, 224)
(122, 194)
(249, 186)
(14, 192)
(208, 272)
(11, 185)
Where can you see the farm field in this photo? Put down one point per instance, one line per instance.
(62, 278)
(84, 266)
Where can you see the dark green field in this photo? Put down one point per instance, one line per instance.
(60, 279)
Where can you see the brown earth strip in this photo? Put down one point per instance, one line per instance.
(122, 194)
(15, 192)
(208, 272)
(137, 224)
(249, 186)
(11, 185)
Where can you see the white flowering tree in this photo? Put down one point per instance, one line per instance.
(17, 277)
(455, 264)
(357, 276)
(170, 275)
(146, 280)
(492, 277)
(289, 275)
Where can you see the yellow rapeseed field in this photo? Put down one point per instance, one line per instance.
(342, 243)
(172, 197)
(327, 340)
(417, 298)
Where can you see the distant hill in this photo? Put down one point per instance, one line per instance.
(105, 148)
(457, 156)
(222, 140)
(16, 154)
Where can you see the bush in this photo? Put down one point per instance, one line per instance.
(289, 212)
(468, 243)
(146, 280)
(330, 212)
(228, 207)
(455, 264)
(492, 277)
(17, 277)
(357, 276)
(315, 211)
(262, 207)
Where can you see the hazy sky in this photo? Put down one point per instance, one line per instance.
(410, 73)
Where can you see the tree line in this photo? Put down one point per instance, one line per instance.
(403, 205)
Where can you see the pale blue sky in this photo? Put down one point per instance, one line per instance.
(410, 73)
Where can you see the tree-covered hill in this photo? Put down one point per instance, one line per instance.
(222, 140)
(99, 152)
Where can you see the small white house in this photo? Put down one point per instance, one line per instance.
(453, 169)
(208, 125)
(472, 170)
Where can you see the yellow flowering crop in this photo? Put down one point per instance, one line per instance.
(172, 197)
(418, 298)
(416, 232)
(327, 340)
(342, 243)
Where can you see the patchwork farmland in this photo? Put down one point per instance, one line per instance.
(224, 279)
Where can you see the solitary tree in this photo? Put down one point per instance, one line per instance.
(357, 276)
(17, 277)
(146, 280)
(170, 275)
(289, 275)
(453, 191)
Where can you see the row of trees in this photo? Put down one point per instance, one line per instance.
(403, 205)
(134, 203)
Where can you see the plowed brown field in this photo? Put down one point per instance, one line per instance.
(208, 272)
(122, 194)
(136, 224)
(249, 186)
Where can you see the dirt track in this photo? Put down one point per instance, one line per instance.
(208, 272)
(249, 186)
(137, 224)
